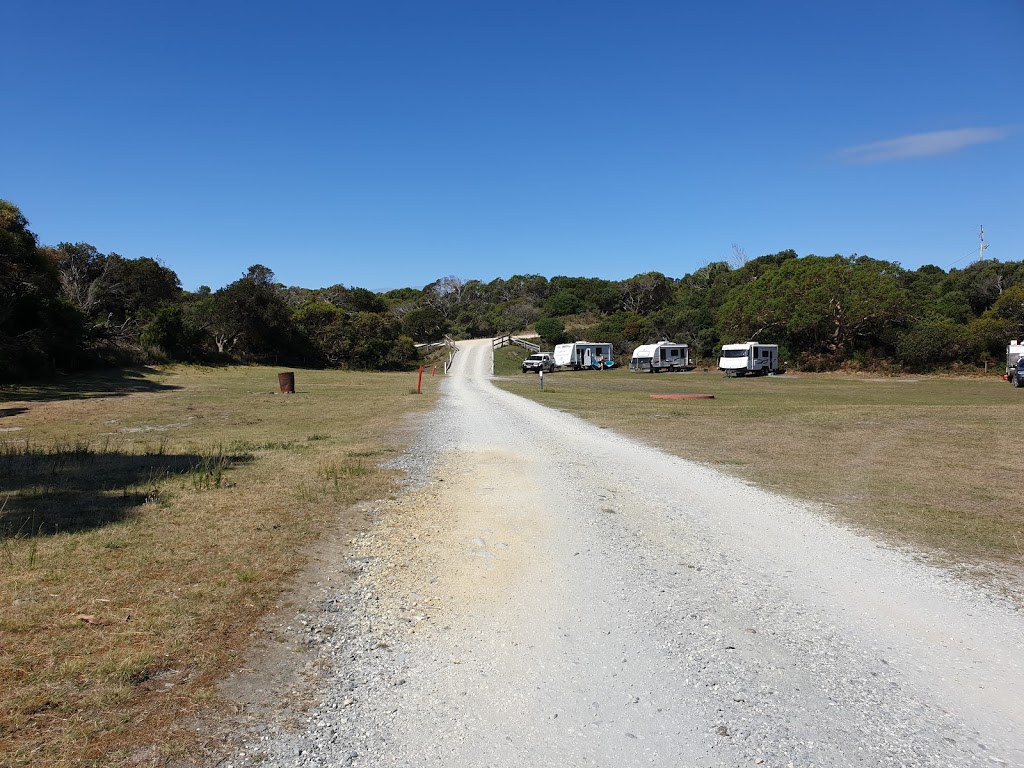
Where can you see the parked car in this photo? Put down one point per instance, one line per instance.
(541, 361)
(1014, 351)
(1017, 373)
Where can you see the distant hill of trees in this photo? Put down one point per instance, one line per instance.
(68, 307)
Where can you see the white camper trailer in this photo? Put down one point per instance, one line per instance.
(584, 354)
(1014, 351)
(749, 357)
(663, 356)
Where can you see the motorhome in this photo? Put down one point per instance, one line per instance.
(584, 354)
(663, 356)
(749, 357)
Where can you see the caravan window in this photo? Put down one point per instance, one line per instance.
(734, 353)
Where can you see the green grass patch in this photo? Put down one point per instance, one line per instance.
(508, 360)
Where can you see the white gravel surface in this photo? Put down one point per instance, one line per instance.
(547, 593)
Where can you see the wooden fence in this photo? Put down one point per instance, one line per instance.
(508, 339)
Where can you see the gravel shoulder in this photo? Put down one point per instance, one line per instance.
(547, 593)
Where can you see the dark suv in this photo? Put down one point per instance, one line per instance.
(1017, 373)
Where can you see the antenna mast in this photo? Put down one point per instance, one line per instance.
(983, 245)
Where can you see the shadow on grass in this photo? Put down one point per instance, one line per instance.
(108, 383)
(77, 489)
(11, 411)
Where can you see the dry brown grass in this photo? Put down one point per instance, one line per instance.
(147, 524)
(929, 461)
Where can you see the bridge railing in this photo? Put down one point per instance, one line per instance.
(447, 342)
(508, 339)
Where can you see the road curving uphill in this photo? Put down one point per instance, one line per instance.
(552, 594)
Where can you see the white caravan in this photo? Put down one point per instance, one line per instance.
(1014, 350)
(583, 354)
(749, 357)
(663, 356)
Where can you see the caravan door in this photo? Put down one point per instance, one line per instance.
(588, 357)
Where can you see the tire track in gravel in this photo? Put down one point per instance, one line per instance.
(557, 595)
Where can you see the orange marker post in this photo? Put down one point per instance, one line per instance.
(419, 381)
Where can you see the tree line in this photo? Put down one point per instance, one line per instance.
(68, 307)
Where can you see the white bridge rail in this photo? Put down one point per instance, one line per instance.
(448, 342)
(507, 340)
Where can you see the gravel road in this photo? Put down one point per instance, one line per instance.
(547, 593)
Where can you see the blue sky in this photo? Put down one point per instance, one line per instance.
(387, 144)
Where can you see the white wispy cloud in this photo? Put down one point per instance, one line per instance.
(922, 144)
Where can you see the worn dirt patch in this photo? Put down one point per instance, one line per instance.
(471, 542)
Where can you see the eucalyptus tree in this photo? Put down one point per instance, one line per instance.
(820, 306)
(251, 319)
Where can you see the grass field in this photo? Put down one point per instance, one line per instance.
(147, 521)
(928, 461)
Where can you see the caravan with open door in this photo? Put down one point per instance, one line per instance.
(580, 355)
